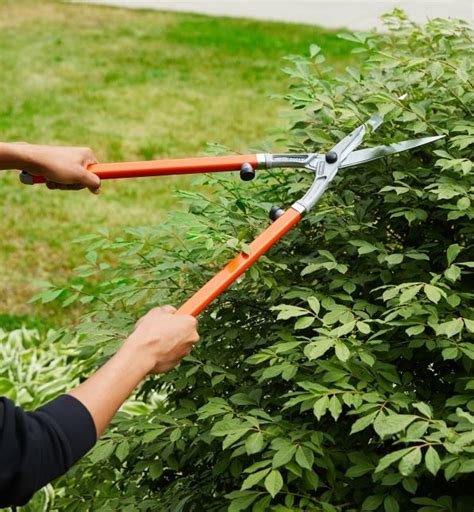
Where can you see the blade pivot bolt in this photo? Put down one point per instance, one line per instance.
(247, 172)
(331, 157)
(275, 213)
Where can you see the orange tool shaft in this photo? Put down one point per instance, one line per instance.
(236, 267)
(168, 167)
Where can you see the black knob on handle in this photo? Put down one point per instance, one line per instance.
(275, 213)
(247, 172)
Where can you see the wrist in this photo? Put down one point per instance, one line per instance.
(136, 354)
(15, 154)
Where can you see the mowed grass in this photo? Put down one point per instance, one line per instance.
(131, 85)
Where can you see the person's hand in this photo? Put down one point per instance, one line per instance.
(162, 338)
(63, 167)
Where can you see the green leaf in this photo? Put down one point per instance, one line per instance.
(394, 259)
(451, 327)
(424, 408)
(103, 450)
(450, 353)
(243, 502)
(6, 386)
(304, 457)
(156, 469)
(357, 471)
(318, 348)
(367, 358)
(262, 504)
(122, 450)
(465, 415)
(432, 292)
(467, 466)
(364, 246)
(258, 465)
(342, 352)
(409, 293)
(314, 304)
(344, 329)
(254, 443)
(390, 504)
(469, 324)
(436, 69)
(314, 49)
(415, 330)
(387, 425)
(320, 407)
(226, 427)
(453, 252)
(254, 478)
(175, 435)
(335, 407)
(274, 482)
(50, 295)
(410, 485)
(389, 459)
(417, 430)
(463, 203)
(304, 322)
(432, 461)
(363, 422)
(409, 462)
(372, 502)
(283, 455)
(288, 311)
(363, 327)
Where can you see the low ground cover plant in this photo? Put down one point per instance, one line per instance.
(337, 376)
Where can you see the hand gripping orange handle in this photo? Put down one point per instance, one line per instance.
(166, 167)
(236, 267)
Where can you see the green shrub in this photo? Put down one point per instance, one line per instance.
(337, 375)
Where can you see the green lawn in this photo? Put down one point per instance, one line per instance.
(131, 85)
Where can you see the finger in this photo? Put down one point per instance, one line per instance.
(88, 157)
(52, 185)
(168, 309)
(90, 180)
(69, 187)
(138, 322)
(161, 309)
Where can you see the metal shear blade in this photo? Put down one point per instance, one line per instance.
(343, 154)
(349, 143)
(363, 156)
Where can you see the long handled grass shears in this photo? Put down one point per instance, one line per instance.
(323, 165)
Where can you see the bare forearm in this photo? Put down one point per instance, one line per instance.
(105, 391)
(12, 155)
(158, 343)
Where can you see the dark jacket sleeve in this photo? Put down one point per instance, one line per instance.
(37, 447)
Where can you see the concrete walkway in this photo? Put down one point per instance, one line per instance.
(353, 14)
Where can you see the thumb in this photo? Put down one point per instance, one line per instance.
(91, 181)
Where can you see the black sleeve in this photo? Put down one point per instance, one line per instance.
(37, 447)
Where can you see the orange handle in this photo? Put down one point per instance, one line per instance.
(168, 167)
(236, 267)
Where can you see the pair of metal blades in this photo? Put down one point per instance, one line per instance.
(343, 154)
